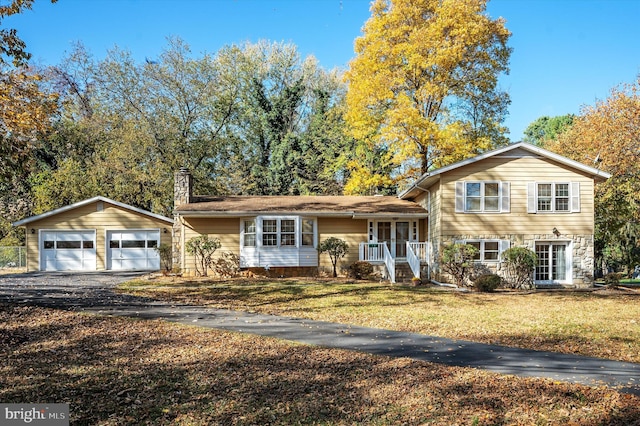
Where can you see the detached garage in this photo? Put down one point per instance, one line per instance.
(95, 234)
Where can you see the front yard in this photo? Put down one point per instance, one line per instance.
(601, 323)
(120, 371)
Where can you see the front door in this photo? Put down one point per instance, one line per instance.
(396, 235)
(402, 236)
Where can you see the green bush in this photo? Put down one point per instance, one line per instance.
(360, 270)
(487, 283)
(612, 279)
(519, 264)
(457, 261)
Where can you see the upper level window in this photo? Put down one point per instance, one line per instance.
(482, 197)
(554, 197)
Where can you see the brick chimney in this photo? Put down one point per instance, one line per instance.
(183, 187)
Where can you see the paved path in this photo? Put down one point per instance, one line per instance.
(92, 293)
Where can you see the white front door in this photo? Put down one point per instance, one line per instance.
(133, 250)
(68, 250)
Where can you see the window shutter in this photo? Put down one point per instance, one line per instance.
(575, 197)
(504, 245)
(459, 197)
(506, 197)
(531, 197)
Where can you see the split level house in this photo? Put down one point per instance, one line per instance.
(518, 195)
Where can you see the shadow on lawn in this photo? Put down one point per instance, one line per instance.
(124, 371)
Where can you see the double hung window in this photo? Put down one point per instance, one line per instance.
(278, 232)
(488, 250)
(554, 197)
(482, 197)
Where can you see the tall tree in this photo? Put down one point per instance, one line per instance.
(607, 135)
(547, 128)
(424, 82)
(12, 47)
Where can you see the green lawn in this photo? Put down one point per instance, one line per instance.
(601, 323)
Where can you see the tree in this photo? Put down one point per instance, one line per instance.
(607, 136)
(336, 248)
(547, 128)
(11, 46)
(424, 82)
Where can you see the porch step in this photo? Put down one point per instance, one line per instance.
(403, 273)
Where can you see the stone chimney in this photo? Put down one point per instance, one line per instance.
(182, 194)
(183, 187)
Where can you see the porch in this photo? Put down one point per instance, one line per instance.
(411, 254)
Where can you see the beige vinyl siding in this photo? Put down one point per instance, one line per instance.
(90, 217)
(353, 231)
(519, 172)
(227, 230)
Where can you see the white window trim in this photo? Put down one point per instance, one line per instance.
(502, 246)
(297, 231)
(574, 197)
(568, 262)
(504, 197)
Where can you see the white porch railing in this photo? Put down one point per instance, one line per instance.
(372, 252)
(416, 254)
(390, 263)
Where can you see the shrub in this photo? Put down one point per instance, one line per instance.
(166, 254)
(612, 280)
(487, 283)
(227, 265)
(457, 261)
(336, 248)
(202, 248)
(519, 263)
(360, 270)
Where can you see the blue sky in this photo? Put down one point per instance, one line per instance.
(567, 53)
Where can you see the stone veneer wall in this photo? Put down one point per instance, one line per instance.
(182, 194)
(582, 256)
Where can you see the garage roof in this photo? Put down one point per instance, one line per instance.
(89, 201)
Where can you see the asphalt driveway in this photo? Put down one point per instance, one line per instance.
(94, 293)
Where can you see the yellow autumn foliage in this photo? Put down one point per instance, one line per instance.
(423, 83)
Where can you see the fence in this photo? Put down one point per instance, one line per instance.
(13, 257)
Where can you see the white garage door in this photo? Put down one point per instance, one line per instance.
(68, 250)
(133, 250)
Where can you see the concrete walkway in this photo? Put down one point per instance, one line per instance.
(100, 299)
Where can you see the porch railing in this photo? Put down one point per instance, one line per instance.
(417, 253)
(372, 252)
(379, 252)
(389, 263)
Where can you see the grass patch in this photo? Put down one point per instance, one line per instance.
(601, 323)
(116, 371)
